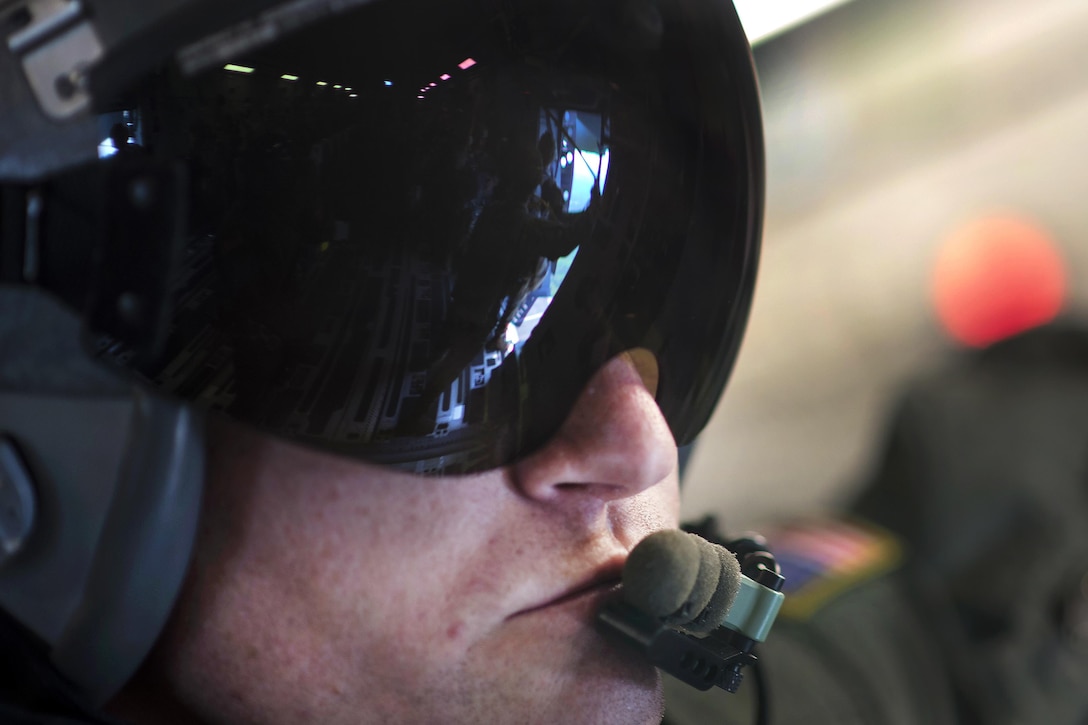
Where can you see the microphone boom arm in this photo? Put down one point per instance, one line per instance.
(700, 662)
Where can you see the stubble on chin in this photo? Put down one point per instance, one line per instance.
(603, 683)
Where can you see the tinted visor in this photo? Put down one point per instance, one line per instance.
(416, 230)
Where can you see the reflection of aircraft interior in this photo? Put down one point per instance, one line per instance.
(502, 203)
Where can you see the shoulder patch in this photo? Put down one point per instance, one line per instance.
(823, 558)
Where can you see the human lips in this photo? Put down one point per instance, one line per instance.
(588, 591)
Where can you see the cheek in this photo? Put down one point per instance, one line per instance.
(403, 571)
(318, 611)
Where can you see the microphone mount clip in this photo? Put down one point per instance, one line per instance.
(702, 662)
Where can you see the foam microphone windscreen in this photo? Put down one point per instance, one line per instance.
(682, 578)
(725, 593)
(661, 571)
(706, 583)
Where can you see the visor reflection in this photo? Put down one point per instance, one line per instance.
(419, 257)
(366, 269)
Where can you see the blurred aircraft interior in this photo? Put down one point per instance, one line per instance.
(889, 125)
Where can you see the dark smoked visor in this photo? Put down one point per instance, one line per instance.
(414, 231)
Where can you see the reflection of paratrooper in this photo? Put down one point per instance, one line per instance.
(507, 255)
(549, 205)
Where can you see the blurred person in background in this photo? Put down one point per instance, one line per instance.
(954, 588)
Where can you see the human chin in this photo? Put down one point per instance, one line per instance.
(541, 676)
(555, 664)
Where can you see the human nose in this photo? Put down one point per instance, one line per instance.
(614, 444)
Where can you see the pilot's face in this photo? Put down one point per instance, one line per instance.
(332, 591)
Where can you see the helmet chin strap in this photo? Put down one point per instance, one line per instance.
(96, 553)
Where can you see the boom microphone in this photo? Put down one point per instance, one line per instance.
(695, 609)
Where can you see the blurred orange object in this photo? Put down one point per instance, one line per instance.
(995, 277)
